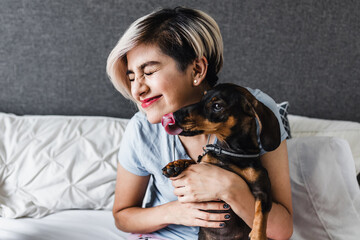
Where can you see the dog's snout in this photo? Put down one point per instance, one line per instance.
(184, 113)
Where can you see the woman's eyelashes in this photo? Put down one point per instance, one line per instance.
(148, 74)
(132, 77)
(150, 71)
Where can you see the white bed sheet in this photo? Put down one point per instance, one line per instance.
(69, 225)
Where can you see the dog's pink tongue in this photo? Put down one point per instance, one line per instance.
(169, 124)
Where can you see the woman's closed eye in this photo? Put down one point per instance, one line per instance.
(148, 73)
(131, 78)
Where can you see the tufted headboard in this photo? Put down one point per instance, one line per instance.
(53, 53)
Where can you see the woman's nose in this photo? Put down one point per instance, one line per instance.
(139, 87)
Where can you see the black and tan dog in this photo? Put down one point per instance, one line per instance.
(242, 125)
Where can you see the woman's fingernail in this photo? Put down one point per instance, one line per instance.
(226, 205)
(222, 224)
(227, 216)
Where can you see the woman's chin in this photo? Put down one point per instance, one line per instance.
(153, 119)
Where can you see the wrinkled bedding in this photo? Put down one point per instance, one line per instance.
(65, 225)
(50, 164)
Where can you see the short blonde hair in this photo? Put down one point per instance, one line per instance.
(181, 33)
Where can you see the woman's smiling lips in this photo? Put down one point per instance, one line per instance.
(148, 101)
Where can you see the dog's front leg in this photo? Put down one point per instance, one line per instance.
(174, 168)
(261, 189)
(260, 186)
(258, 231)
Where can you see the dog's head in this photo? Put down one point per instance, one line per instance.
(232, 113)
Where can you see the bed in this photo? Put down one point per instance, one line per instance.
(61, 121)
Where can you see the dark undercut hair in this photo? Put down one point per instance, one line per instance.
(184, 34)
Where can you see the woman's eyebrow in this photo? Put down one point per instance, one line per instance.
(144, 65)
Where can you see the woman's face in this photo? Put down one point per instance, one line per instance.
(157, 83)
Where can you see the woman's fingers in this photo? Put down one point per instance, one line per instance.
(211, 220)
(194, 214)
(212, 206)
(206, 224)
(178, 182)
(213, 216)
(204, 182)
(205, 206)
(188, 195)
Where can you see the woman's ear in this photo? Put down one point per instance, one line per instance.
(200, 67)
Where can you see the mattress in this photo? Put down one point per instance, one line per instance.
(70, 224)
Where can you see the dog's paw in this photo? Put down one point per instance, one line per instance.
(174, 168)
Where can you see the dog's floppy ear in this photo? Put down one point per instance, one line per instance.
(270, 129)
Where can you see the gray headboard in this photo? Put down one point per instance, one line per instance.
(53, 53)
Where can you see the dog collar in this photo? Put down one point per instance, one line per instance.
(218, 150)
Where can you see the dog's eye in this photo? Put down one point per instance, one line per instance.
(217, 107)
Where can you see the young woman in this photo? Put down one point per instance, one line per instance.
(165, 61)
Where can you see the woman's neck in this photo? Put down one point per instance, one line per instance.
(194, 144)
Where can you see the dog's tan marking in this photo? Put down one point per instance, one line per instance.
(249, 174)
(198, 123)
(258, 231)
(209, 159)
(225, 129)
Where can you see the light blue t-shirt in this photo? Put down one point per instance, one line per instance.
(146, 148)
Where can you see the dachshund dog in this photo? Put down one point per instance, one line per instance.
(242, 126)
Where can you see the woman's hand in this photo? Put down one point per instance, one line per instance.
(205, 182)
(191, 214)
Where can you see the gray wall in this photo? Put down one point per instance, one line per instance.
(53, 53)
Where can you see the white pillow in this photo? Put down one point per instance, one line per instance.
(325, 193)
(350, 131)
(51, 163)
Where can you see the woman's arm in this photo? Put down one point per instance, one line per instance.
(280, 225)
(204, 182)
(131, 217)
(129, 193)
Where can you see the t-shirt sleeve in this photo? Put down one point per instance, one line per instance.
(130, 154)
(271, 104)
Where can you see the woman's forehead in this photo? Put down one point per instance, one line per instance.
(145, 55)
